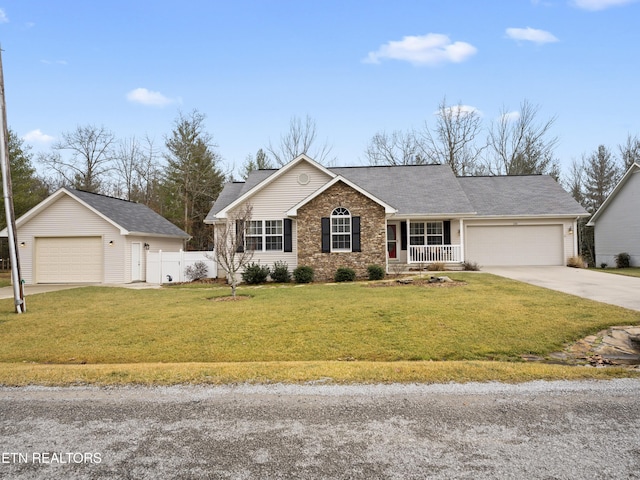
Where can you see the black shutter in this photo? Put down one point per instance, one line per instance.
(239, 235)
(288, 237)
(355, 234)
(403, 235)
(326, 235)
(446, 227)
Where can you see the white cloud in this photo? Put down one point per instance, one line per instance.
(531, 35)
(37, 136)
(595, 5)
(147, 97)
(510, 116)
(3, 16)
(462, 110)
(429, 49)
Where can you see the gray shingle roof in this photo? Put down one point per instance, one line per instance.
(133, 217)
(434, 190)
(412, 189)
(519, 195)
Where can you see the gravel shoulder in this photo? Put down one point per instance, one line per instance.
(531, 430)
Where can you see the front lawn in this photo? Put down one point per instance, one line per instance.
(630, 272)
(332, 327)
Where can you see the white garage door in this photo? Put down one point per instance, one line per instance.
(515, 245)
(69, 260)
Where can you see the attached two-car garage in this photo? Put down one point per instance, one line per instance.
(68, 260)
(513, 245)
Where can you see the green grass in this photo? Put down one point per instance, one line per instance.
(630, 272)
(490, 319)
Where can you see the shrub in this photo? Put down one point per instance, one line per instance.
(303, 274)
(376, 272)
(280, 272)
(576, 262)
(196, 271)
(254, 273)
(623, 260)
(436, 267)
(603, 265)
(471, 266)
(345, 274)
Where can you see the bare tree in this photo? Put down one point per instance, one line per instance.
(90, 158)
(397, 148)
(230, 251)
(519, 145)
(630, 151)
(127, 159)
(574, 181)
(300, 139)
(453, 140)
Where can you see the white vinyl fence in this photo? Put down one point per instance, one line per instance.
(169, 267)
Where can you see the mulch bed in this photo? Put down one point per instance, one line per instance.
(237, 298)
(418, 282)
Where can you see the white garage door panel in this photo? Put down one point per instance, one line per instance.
(515, 245)
(69, 260)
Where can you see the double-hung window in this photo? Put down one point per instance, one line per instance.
(273, 235)
(426, 233)
(264, 235)
(340, 230)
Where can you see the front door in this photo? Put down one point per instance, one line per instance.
(136, 262)
(392, 242)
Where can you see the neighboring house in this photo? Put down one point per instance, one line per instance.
(617, 221)
(399, 217)
(80, 237)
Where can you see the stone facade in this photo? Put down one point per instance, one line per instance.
(372, 233)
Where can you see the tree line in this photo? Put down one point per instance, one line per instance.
(181, 178)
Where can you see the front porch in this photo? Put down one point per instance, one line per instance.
(421, 242)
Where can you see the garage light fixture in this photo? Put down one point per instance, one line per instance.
(111, 243)
(570, 230)
(146, 246)
(22, 244)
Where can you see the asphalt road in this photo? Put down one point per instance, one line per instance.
(539, 430)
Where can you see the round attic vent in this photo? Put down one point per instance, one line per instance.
(303, 179)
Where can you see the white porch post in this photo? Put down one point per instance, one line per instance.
(461, 223)
(408, 241)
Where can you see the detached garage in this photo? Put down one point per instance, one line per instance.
(80, 237)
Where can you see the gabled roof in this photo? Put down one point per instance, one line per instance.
(130, 217)
(388, 209)
(515, 195)
(255, 185)
(427, 190)
(632, 169)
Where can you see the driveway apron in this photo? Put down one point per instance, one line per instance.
(619, 290)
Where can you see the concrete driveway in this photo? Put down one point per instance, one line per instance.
(7, 292)
(603, 287)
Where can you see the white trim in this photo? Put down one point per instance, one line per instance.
(388, 209)
(270, 179)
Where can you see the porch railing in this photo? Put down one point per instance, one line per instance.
(434, 253)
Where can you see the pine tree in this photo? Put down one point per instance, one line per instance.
(601, 172)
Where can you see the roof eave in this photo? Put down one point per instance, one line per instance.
(632, 169)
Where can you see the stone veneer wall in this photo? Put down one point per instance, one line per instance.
(372, 233)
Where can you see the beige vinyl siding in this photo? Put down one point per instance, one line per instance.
(155, 245)
(617, 229)
(274, 200)
(519, 241)
(67, 218)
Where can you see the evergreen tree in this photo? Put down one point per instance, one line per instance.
(601, 175)
(192, 179)
(260, 162)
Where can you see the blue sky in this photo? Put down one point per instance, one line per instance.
(356, 67)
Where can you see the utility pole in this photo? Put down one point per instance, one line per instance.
(18, 288)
